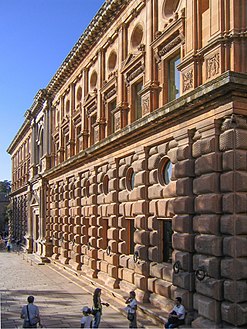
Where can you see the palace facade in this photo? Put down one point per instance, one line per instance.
(131, 165)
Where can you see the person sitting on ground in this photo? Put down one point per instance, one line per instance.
(177, 315)
(30, 314)
(87, 319)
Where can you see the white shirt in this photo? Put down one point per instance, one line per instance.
(86, 320)
(131, 308)
(180, 311)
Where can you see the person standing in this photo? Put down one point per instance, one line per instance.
(177, 315)
(30, 314)
(97, 307)
(8, 245)
(131, 309)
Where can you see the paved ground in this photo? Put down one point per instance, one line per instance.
(59, 296)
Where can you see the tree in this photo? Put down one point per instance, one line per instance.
(5, 186)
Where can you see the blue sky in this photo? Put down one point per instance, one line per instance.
(35, 38)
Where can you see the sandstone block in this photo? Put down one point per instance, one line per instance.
(162, 288)
(140, 222)
(153, 161)
(185, 260)
(113, 233)
(112, 259)
(211, 288)
(167, 272)
(142, 267)
(128, 275)
(103, 266)
(113, 245)
(172, 154)
(128, 209)
(207, 183)
(123, 261)
(235, 314)
(208, 163)
(235, 269)
(138, 165)
(183, 152)
(123, 196)
(211, 265)
(208, 145)
(151, 282)
(208, 244)
(153, 207)
(234, 160)
(156, 270)
(184, 168)
(234, 202)
(183, 241)
(201, 322)
(122, 222)
(184, 280)
(235, 291)
(155, 192)
(140, 282)
(183, 205)
(153, 177)
(137, 194)
(182, 223)
(141, 237)
(112, 196)
(153, 223)
(184, 186)
(154, 238)
(207, 224)
(123, 234)
(208, 203)
(113, 271)
(154, 254)
(140, 207)
(235, 246)
(209, 308)
(233, 224)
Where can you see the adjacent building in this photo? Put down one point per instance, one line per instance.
(131, 165)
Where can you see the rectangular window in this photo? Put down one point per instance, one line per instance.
(167, 240)
(130, 236)
(173, 79)
(137, 101)
(111, 107)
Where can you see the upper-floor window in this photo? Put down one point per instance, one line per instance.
(130, 236)
(111, 116)
(173, 78)
(137, 100)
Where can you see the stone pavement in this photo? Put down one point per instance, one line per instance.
(59, 295)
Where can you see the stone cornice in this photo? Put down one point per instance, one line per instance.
(183, 108)
(101, 21)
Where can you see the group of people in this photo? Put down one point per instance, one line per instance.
(92, 316)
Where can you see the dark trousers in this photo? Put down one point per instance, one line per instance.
(174, 323)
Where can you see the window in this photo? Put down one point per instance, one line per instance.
(112, 107)
(130, 179)
(167, 240)
(130, 236)
(137, 101)
(164, 171)
(173, 79)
